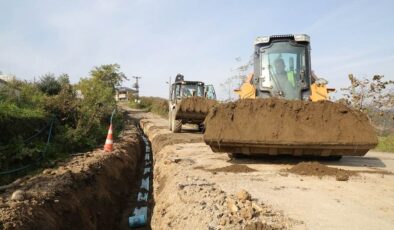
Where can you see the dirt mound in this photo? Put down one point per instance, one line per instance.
(317, 169)
(85, 192)
(281, 122)
(196, 104)
(231, 168)
(163, 140)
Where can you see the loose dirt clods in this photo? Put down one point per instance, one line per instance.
(236, 168)
(222, 211)
(317, 169)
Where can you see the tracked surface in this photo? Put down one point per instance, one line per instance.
(273, 127)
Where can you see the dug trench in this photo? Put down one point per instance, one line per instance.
(95, 190)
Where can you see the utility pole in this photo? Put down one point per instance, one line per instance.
(136, 86)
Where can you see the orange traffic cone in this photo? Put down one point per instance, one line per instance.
(109, 142)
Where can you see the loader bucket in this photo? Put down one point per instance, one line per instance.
(283, 127)
(194, 109)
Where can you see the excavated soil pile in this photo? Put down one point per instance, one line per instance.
(196, 104)
(231, 169)
(163, 140)
(317, 169)
(86, 192)
(276, 121)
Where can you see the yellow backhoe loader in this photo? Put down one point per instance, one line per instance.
(284, 109)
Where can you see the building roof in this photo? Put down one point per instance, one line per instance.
(126, 89)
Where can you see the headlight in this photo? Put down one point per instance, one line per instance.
(301, 38)
(262, 40)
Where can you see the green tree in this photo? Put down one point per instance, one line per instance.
(49, 85)
(63, 79)
(108, 74)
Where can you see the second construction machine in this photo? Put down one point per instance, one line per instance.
(284, 109)
(189, 103)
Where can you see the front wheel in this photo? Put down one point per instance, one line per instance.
(170, 120)
(235, 155)
(333, 158)
(201, 128)
(176, 126)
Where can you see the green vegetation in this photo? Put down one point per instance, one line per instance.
(80, 115)
(155, 105)
(386, 144)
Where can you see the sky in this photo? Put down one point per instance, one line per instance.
(199, 38)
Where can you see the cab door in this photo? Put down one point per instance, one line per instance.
(210, 92)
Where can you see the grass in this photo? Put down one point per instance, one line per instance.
(9, 110)
(155, 105)
(386, 144)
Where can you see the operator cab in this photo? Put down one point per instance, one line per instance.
(183, 89)
(282, 66)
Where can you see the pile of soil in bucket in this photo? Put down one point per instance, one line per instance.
(196, 104)
(284, 122)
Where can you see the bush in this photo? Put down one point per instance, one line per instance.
(80, 124)
(49, 85)
(386, 144)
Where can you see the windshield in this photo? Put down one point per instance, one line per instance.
(285, 65)
(192, 90)
(210, 92)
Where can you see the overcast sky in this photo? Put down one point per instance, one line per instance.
(200, 39)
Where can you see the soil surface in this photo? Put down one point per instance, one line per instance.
(230, 168)
(89, 191)
(276, 121)
(320, 170)
(196, 104)
(199, 189)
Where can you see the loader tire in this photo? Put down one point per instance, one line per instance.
(170, 121)
(236, 155)
(333, 158)
(201, 128)
(176, 126)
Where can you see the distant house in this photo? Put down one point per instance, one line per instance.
(124, 93)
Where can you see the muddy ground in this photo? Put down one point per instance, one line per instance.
(196, 188)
